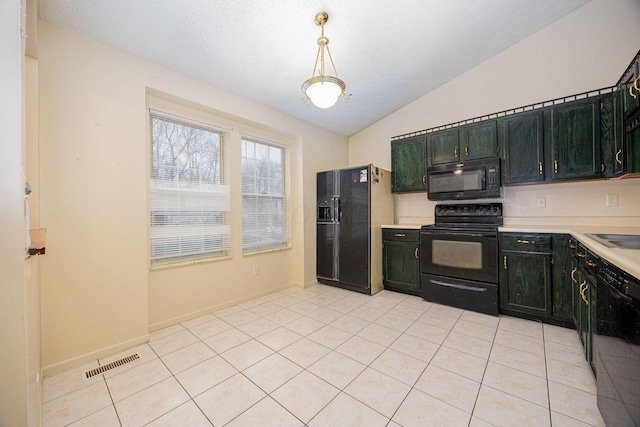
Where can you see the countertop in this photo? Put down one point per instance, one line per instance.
(405, 226)
(626, 259)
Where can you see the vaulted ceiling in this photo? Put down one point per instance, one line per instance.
(389, 53)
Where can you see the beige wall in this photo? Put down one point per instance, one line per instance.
(98, 294)
(585, 50)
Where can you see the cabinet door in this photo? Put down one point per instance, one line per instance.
(630, 93)
(576, 140)
(525, 281)
(523, 151)
(612, 136)
(401, 266)
(479, 140)
(561, 284)
(409, 164)
(587, 291)
(444, 147)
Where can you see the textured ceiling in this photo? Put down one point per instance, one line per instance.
(389, 53)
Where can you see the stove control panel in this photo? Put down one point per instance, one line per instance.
(469, 210)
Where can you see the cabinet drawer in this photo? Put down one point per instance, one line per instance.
(401, 235)
(526, 242)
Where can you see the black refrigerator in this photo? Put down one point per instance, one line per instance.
(352, 205)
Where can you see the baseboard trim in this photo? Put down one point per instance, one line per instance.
(310, 283)
(194, 314)
(83, 359)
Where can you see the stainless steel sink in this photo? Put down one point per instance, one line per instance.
(622, 241)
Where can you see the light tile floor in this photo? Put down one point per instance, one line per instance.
(323, 356)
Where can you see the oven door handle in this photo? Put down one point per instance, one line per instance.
(453, 285)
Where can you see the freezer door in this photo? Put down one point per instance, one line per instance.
(354, 218)
(326, 251)
(326, 184)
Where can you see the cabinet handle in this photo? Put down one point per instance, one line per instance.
(618, 156)
(455, 151)
(573, 275)
(591, 263)
(555, 166)
(505, 262)
(540, 168)
(415, 253)
(572, 246)
(466, 150)
(399, 234)
(634, 85)
(583, 290)
(526, 242)
(581, 255)
(424, 180)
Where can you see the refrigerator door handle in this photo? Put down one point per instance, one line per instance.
(336, 210)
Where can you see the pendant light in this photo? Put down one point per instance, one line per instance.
(321, 89)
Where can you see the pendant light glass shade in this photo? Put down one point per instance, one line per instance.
(323, 90)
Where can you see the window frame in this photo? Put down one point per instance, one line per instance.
(183, 118)
(275, 245)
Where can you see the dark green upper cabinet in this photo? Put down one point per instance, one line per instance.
(523, 148)
(444, 147)
(479, 140)
(409, 164)
(575, 144)
(630, 88)
(474, 141)
(614, 154)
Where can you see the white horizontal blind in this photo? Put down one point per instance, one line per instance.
(189, 192)
(265, 222)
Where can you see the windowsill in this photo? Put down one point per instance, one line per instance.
(37, 236)
(265, 251)
(188, 263)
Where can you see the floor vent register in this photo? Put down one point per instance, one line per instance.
(109, 366)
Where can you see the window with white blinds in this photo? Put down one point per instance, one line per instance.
(189, 190)
(265, 222)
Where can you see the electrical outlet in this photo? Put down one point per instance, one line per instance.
(611, 200)
(256, 270)
(541, 202)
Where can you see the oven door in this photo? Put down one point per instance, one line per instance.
(469, 255)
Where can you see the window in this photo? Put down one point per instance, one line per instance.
(265, 222)
(189, 192)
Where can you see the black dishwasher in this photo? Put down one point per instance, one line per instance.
(617, 346)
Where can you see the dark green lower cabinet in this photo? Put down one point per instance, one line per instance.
(401, 260)
(561, 281)
(525, 283)
(534, 281)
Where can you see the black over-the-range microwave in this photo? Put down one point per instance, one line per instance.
(473, 179)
